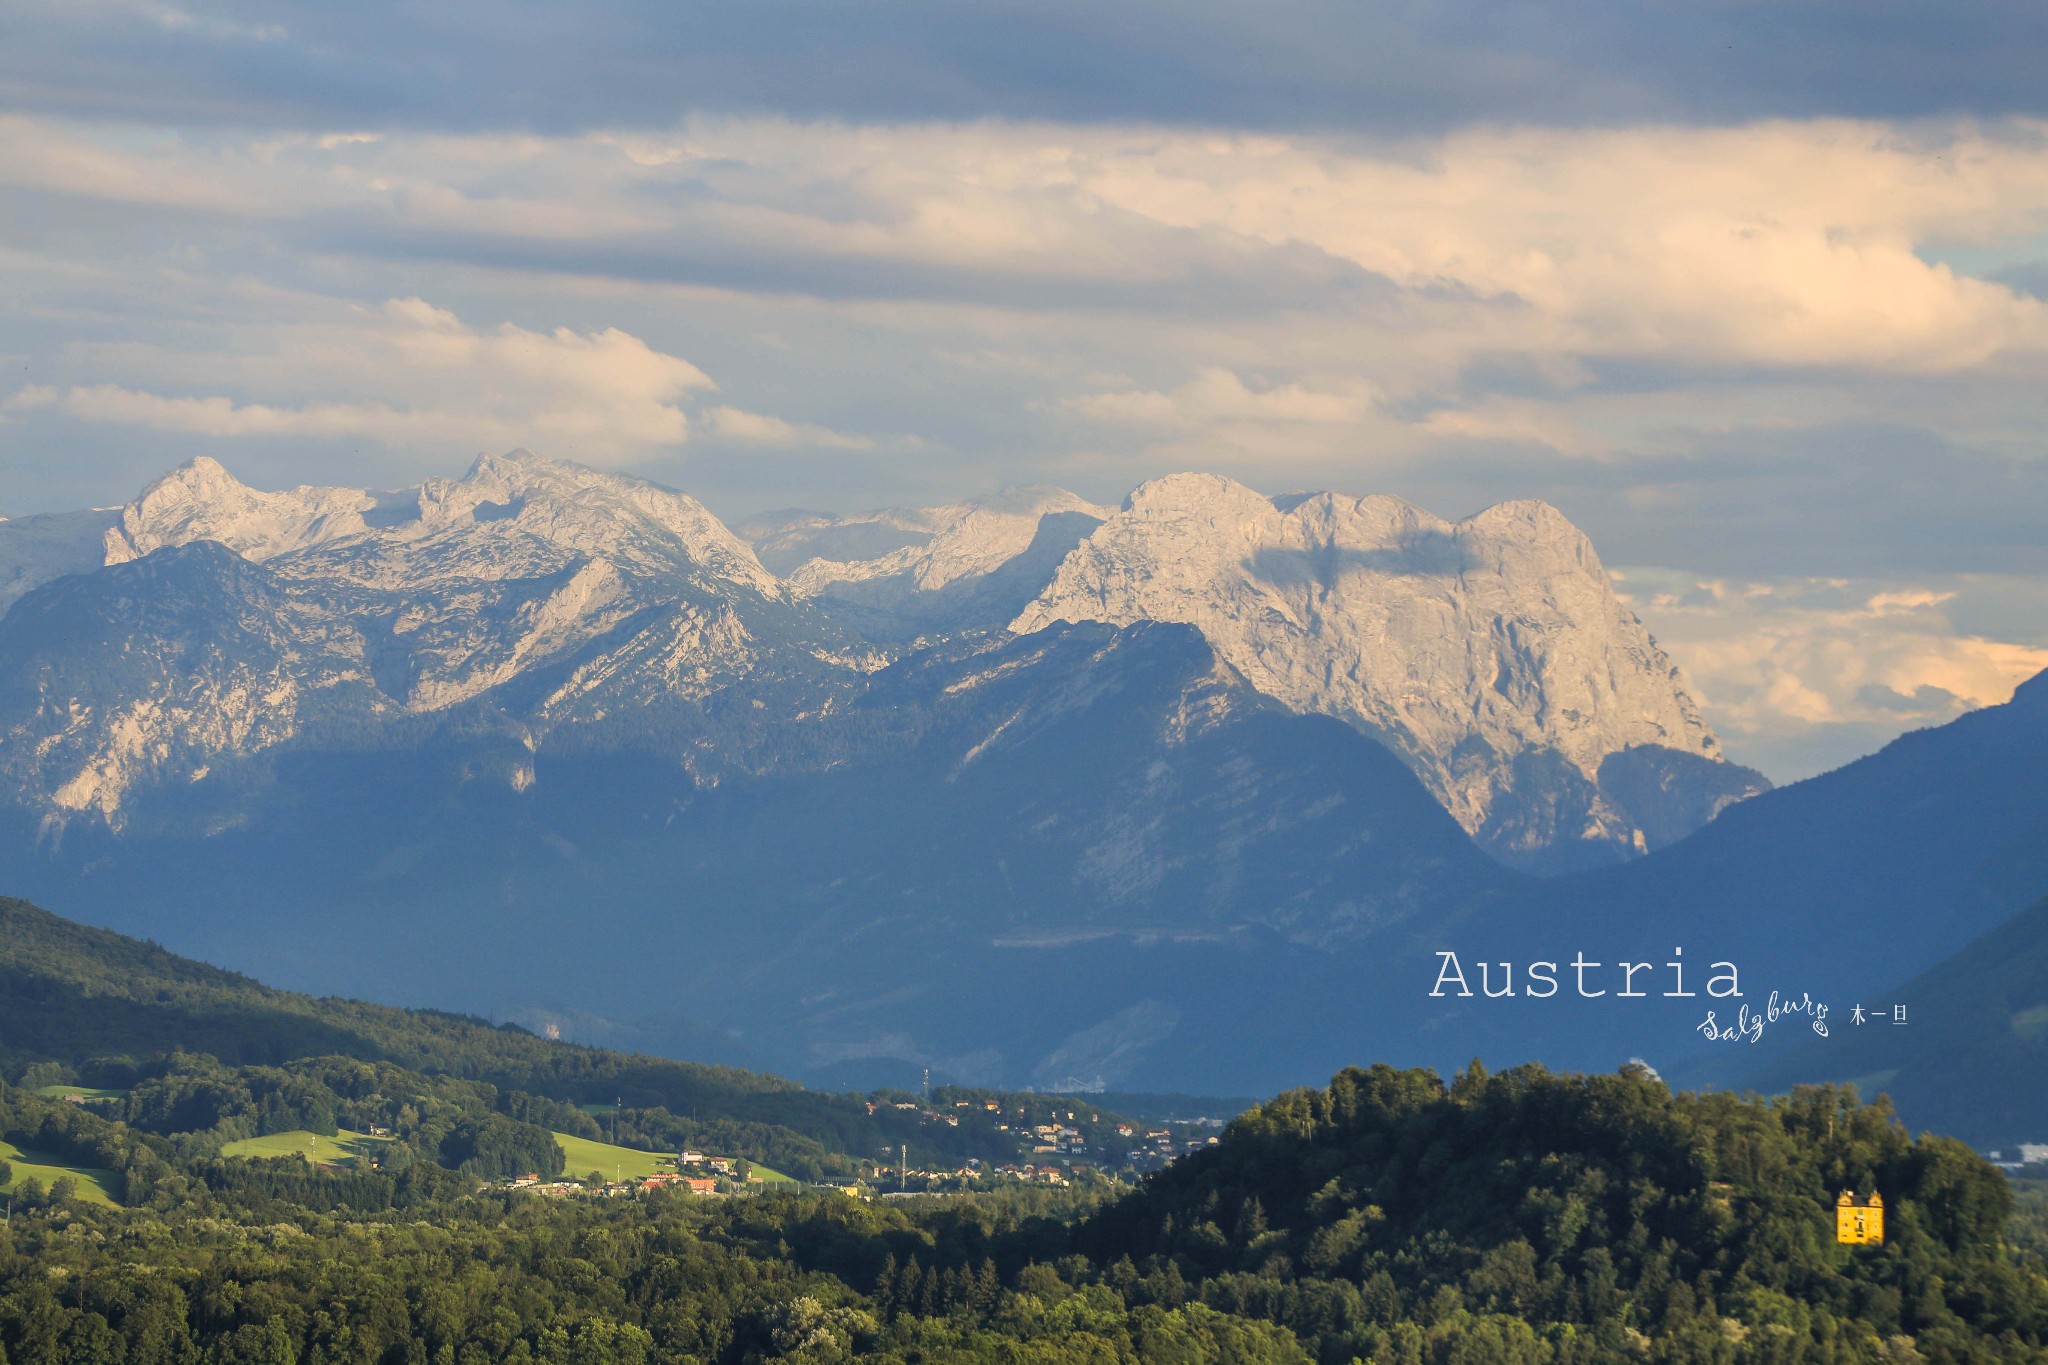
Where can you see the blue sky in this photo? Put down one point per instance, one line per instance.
(1754, 292)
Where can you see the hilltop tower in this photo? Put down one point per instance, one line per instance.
(1859, 1224)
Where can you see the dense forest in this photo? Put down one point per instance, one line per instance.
(1523, 1218)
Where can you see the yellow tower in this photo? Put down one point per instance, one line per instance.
(1859, 1224)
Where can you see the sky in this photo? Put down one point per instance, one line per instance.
(1757, 293)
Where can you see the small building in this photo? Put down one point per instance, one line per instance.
(701, 1186)
(1859, 1224)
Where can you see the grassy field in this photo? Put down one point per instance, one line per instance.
(344, 1148)
(94, 1186)
(611, 1162)
(585, 1156)
(84, 1092)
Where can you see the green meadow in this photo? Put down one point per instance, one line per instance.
(344, 1148)
(613, 1163)
(94, 1186)
(84, 1092)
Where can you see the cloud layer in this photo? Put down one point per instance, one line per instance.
(418, 379)
(1423, 65)
(1811, 673)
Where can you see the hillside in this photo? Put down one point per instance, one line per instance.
(1847, 886)
(72, 993)
(1391, 1217)
(1971, 1056)
(94, 1004)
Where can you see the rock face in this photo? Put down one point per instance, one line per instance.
(511, 516)
(1491, 653)
(585, 593)
(202, 501)
(147, 672)
(967, 566)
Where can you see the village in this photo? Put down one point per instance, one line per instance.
(725, 1176)
(1054, 1146)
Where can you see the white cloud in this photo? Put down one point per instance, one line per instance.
(1776, 661)
(411, 374)
(1778, 244)
(752, 428)
(1297, 301)
(1218, 395)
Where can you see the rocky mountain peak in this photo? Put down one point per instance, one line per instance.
(1491, 652)
(201, 500)
(509, 516)
(966, 565)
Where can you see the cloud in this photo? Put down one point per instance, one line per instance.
(752, 428)
(1654, 326)
(1301, 64)
(1777, 245)
(1804, 674)
(603, 395)
(1217, 395)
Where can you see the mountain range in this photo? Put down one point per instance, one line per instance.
(1183, 794)
(1491, 655)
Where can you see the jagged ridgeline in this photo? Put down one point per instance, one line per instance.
(1491, 654)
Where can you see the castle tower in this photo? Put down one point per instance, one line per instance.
(1859, 1224)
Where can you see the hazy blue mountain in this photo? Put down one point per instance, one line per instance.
(36, 549)
(1972, 1052)
(555, 745)
(1090, 855)
(1846, 886)
(1078, 857)
(142, 673)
